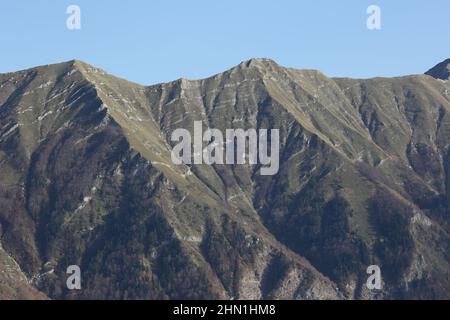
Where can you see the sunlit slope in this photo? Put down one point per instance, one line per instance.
(86, 178)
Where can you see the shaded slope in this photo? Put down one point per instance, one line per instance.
(440, 71)
(86, 178)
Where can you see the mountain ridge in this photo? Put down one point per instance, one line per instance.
(245, 63)
(87, 178)
(441, 70)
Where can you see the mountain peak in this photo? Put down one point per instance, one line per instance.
(258, 62)
(55, 68)
(441, 70)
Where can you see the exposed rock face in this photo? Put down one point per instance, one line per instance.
(86, 178)
(14, 285)
(440, 71)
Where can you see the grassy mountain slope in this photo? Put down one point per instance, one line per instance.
(86, 178)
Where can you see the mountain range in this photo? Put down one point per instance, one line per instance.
(86, 179)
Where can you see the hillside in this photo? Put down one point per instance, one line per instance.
(86, 178)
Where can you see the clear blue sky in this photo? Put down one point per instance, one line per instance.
(155, 41)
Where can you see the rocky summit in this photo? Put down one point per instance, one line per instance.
(86, 179)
